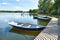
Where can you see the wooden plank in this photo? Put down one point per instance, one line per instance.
(50, 32)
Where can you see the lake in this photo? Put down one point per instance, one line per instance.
(5, 28)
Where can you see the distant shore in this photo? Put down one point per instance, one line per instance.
(14, 11)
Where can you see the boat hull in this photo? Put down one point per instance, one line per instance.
(41, 28)
(35, 17)
(44, 19)
(27, 31)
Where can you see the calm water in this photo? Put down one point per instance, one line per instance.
(18, 17)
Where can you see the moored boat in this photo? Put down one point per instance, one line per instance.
(35, 17)
(42, 17)
(27, 28)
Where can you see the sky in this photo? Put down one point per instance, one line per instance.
(18, 4)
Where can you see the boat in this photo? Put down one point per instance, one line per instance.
(27, 28)
(42, 17)
(35, 17)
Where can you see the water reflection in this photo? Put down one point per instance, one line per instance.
(6, 35)
(18, 17)
(43, 22)
(25, 32)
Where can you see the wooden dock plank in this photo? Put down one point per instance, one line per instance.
(50, 32)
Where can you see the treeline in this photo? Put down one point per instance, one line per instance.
(33, 10)
(50, 7)
(9, 11)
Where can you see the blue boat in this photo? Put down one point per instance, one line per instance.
(27, 28)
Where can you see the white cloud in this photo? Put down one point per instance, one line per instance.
(24, 7)
(4, 3)
(17, 0)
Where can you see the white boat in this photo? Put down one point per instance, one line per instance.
(27, 28)
(42, 17)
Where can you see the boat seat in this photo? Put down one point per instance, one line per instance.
(12, 23)
(37, 26)
(20, 25)
(28, 26)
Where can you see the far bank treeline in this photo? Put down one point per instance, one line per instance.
(19, 11)
(33, 10)
(12, 11)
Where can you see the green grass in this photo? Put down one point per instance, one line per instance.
(56, 16)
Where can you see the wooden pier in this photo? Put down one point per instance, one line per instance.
(50, 32)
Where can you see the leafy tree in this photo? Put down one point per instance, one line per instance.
(45, 6)
(57, 6)
(33, 10)
(49, 7)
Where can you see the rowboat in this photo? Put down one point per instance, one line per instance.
(42, 17)
(27, 28)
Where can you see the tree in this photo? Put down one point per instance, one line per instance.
(33, 10)
(45, 6)
(57, 6)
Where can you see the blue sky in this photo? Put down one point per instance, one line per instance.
(18, 4)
